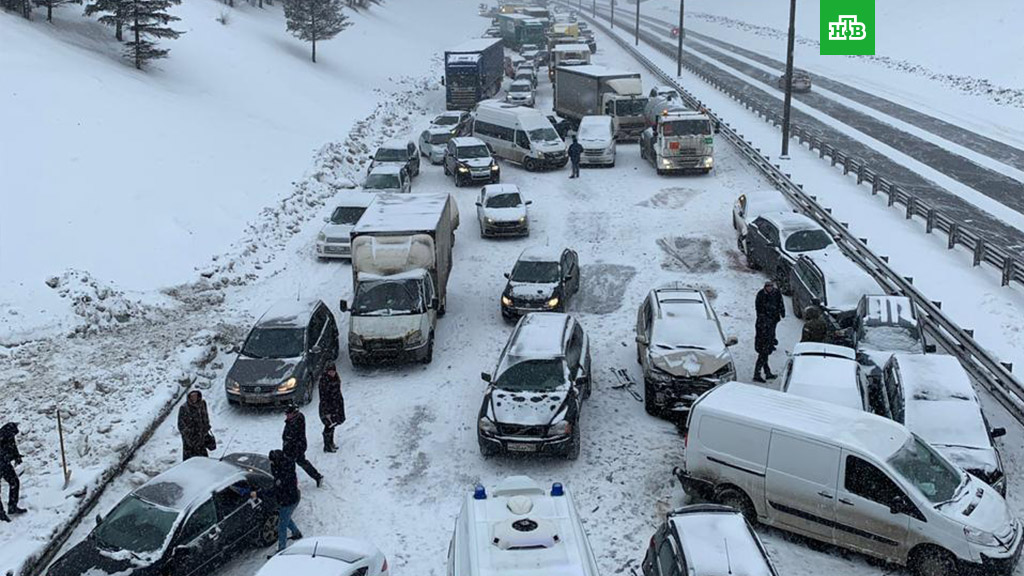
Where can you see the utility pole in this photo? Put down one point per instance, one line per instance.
(637, 33)
(679, 52)
(594, 11)
(611, 19)
(789, 80)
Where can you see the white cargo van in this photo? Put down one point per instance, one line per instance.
(521, 135)
(518, 527)
(845, 477)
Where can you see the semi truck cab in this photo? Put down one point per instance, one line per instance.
(679, 141)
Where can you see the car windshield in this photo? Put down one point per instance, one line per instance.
(535, 272)
(441, 138)
(390, 298)
(533, 375)
(595, 132)
(507, 200)
(446, 121)
(890, 339)
(924, 469)
(383, 182)
(475, 151)
(274, 343)
(808, 240)
(634, 107)
(686, 128)
(347, 214)
(520, 88)
(136, 526)
(543, 135)
(391, 155)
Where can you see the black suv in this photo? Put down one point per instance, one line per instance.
(543, 280)
(284, 355)
(469, 160)
(183, 522)
(532, 404)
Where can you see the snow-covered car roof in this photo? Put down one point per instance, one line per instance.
(539, 335)
(684, 320)
(498, 189)
(289, 313)
(321, 556)
(355, 200)
(189, 482)
(395, 144)
(402, 213)
(439, 130)
(541, 254)
(717, 540)
(760, 202)
(941, 405)
(884, 310)
(525, 83)
(788, 221)
(845, 282)
(388, 168)
(452, 114)
(467, 141)
(827, 373)
(813, 418)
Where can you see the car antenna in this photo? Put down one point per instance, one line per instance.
(316, 544)
(728, 559)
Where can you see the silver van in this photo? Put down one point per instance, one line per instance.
(845, 477)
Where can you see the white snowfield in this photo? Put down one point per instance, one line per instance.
(242, 122)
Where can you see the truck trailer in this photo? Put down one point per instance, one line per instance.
(593, 90)
(401, 259)
(473, 72)
(519, 29)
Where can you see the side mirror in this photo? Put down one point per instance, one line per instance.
(997, 432)
(99, 519)
(898, 505)
(326, 219)
(485, 376)
(930, 348)
(434, 303)
(731, 341)
(528, 202)
(316, 350)
(343, 305)
(641, 339)
(506, 274)
(479, 203)
(235, 349)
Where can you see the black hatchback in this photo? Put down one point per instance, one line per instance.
(184, 522)
(543, 280)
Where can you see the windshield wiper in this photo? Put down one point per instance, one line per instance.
(956, 494)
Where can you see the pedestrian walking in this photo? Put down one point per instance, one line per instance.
(9, 458)
(770, 310)
(575, 151)
(293, 442)
(286, 493)
(332, 406)
(815, 325)
(194, 426)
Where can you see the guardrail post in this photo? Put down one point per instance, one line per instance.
(1008, 264)
(909, 279)
(969, 332)
(937, 304)
(874, 187)
(860, 174)
(910, 206)
(1007, 365)
(884, 259)
(954, 231)
(892, 195)
(846, 166)
(979, 251)
(929, 223)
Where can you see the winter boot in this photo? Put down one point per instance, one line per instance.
(319, 480)
(13, 510)
(768, 374)
(757, 377)
(4, 517)
(296, 536)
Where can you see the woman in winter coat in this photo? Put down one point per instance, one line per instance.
(332, 406)
(194, 426)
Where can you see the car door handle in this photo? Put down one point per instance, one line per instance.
(825, 494)
(845, 501)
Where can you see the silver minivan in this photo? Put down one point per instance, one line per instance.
(845, 477)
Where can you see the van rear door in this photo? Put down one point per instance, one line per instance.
(873, 513)
(800, 485)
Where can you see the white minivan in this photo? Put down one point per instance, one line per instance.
(597, 136)
(520, 135)
(845, 477)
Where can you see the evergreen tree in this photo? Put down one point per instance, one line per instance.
(51, 4)
(312, 20)
(113, 14)
(148, 19)
(23, 7)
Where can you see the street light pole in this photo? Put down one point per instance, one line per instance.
(679, 51)
(611, 19)
(789, 80)
(595, 9)
(637, 33)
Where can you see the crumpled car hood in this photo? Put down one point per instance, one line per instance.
(689, 363)
(526, 408)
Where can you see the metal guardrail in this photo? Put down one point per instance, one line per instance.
(995, 376)
(1005, 260)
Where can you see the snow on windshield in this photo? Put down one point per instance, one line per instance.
(890, 339)
(391, 155)
(347, 214)
(925, 470)
(382, 182)
(533, 375)
(686, 128)
(536, 272)
(136, 526)
(274, 343)
(808, 240)
(476, 151)
(543, 135)
(509, 200)
(387, 298)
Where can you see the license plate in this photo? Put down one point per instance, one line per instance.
(522, 447)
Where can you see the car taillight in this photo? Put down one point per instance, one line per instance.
(384, 568)
(673, 145)
(686, 439)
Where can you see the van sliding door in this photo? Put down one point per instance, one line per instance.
(800, 485)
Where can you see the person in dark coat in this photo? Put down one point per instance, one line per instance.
(575, 151)
(770, 310)
(194, 426)
(815, 326)
(332, 406)
(9, 458)
(293, 442)
(286, 493)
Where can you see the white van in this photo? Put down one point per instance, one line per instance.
(521, 135)
(845, 477)
(518, 527)
(597, 136)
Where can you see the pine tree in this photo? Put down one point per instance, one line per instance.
(312, 20)
(148, 19)
(113, 14)
(51, 4)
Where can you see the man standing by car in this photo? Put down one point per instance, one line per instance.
(332, 406)
(9, 458)
(286, 493)
(194, 426)
(770, 310)
(293, 441)
(575, 151)
(815, 326)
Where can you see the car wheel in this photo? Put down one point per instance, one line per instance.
(737, 500)
(650, 404)
(530, 164)
(750, 258)
(446, 172)
(798, 309)
(487, 451)
(429, 356)
(740, 242)
(442, 306)
(782, 279)
(934, 562)
(458, 181)
(266, 535)
(574, 444)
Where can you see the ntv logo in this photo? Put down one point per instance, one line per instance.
(847, 28)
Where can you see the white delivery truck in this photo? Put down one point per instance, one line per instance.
(401, 258)
(590, 90)
(679, 141)
(567, 55)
